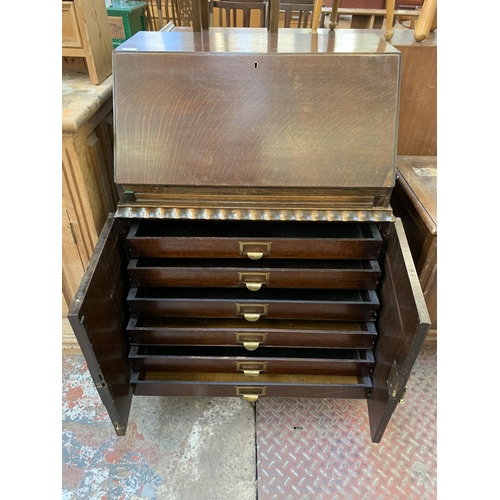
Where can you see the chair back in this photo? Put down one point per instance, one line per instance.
(230, 9)
(298, 13)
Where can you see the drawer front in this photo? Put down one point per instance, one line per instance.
(71, 37)
(346, 305)
(254, 240)
(251, 336)
(345, 274)
(268, 385)
(253, 364)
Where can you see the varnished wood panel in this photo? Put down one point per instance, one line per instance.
(98, 316)
(221, 117)
(402, 324)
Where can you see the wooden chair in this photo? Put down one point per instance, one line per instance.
(301, 9)
(245, 6)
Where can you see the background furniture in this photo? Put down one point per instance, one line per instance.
(298, 13)
(126, 19)
(417, 127)
(237, 13)
(414, 200)
(86, 38)
(89, 193)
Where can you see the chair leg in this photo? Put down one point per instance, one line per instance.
(318, 5)
(427, 16)
(389, 16)
(335, 11)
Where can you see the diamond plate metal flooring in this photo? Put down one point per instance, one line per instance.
(321, 449)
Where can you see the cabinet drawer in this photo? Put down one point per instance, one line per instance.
(336, 274)
(346, 305)
(250, 336)
(254, 240)
(253, 364)
(237, 384)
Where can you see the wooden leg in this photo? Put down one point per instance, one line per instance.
(318, 4)
(389, 6)
(434, 23)
(425, 20)
(333, 16)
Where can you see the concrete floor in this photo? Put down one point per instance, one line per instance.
(227, 448)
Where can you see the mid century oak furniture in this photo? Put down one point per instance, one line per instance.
(254, 252)
(86, 38)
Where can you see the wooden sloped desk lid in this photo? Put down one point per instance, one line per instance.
(247, 109)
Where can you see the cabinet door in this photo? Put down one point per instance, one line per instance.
(99, 316)
(402, 325)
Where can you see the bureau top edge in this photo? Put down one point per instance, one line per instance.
(255, 41)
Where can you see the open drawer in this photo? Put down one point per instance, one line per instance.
(227, 385)
(253, 364)
(343, 305)
(250, 336)
(99, 316)
(274, 273)
(254, 240)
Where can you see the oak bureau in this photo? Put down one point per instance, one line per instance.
(253, 252)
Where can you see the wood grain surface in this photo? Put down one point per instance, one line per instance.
(264, 119)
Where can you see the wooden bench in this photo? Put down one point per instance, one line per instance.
(367, 18)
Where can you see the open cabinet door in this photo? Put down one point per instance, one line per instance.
(402, 325)
(98, 316)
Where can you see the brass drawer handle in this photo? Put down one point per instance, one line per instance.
(251, 394)
(252, 317)
(251, 341)
(253, 281)
(251, 368)
(255, 250)
(251, 312)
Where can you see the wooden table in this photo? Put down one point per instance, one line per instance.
(89, 193)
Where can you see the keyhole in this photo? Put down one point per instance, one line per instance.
(255, 65)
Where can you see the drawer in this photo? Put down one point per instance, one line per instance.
(253, 364)
(344, 305)
(250, 336)
(254, 240)
(277, 273)
(237, 384)
(71, 37)
(100, 318)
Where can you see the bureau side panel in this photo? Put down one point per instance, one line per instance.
(261, 120)
(402, 326)
(98, 316)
